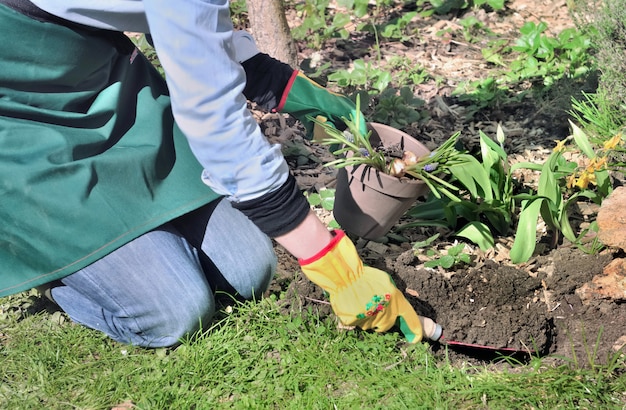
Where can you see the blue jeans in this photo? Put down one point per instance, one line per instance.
(161, 286)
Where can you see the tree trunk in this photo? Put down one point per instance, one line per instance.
(269, 28)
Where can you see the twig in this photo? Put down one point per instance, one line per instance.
(323, 302)
(546, 295)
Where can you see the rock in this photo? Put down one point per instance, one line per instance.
(610, 284)
(611, 219)
(379, 248)
(619, 343)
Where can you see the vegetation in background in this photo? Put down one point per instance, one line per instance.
(429, 7)
(536, 62)
(605, 23)
(536, 59)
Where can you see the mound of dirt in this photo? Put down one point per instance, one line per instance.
(534, 310)
(493, 305)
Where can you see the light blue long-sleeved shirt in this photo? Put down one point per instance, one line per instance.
(193, 40)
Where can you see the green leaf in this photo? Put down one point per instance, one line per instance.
(425, 242)
(428, 223)
(314, 199)
(447, 261)
(494, 146)
(334, 224)
(432, 264)
(473, 176)
(548, 186)
(478, 233)
(566, 228)
(582, 141)
(488, 155)
(327, 198)
(382, 81)
(431, 209)
(360, 7)
(526, 234)
(456, 249)
(603, 182)
(496, 4)
(493, 57)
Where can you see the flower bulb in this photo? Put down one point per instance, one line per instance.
(409, 158)
(397, 168)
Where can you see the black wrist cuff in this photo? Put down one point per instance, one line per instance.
(277, 212)
(266, 79)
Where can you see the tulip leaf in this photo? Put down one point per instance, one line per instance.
(526, 234)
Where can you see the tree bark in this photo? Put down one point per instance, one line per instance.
(269, 28)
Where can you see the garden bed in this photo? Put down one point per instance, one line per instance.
(535, 307)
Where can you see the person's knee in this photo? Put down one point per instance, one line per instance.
(244, 274)
(262, 276)
(253, 278)
(263, 262)
(170, 323)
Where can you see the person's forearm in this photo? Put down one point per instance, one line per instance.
(307, 239)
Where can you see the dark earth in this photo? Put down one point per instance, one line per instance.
(533, 308)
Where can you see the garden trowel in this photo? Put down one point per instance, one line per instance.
(505, 351)
(434, 332)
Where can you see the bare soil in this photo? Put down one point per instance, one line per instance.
(532, 310)
(534, 307)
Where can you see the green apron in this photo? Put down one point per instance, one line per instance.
(90, 157)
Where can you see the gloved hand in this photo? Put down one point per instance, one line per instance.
(276, 86)
(304, 98)
(364, 296)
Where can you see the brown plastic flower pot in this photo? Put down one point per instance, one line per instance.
(368, 203)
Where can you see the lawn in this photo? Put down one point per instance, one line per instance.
(255, 357)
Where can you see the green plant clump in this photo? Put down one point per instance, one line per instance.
(549, 58)
(491, 206)
(605, 23)
(397, 108)
(318, 25)
(447, 6)
(362, 75)
(356, 149)
(536, 58)
(453, 256)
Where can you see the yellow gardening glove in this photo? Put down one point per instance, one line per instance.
(364, 296)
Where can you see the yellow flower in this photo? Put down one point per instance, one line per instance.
(571, 181)
(560, 145)
(585, 179)
(613, 142)
(597, 164)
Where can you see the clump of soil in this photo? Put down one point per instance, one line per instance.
(492, 305)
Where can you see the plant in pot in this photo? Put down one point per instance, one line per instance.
(381, 172)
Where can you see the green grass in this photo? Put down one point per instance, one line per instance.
(258, 358)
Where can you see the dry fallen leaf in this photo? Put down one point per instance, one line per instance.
(412, 292)
(128, 404)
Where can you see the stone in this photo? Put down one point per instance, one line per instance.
(619, 343)
(611, 219)
(610, 284)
